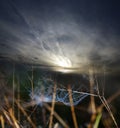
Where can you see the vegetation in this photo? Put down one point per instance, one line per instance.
(33, 98)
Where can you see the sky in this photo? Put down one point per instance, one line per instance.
(62, 35)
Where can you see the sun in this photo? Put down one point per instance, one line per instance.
(63, 62)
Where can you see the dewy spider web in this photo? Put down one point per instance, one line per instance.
(63, 96)
(43, 92)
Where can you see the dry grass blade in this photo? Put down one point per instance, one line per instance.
(92, 107)
(49, 109)
(53, 105)
(110, 99)
(13, 118)
(105, 104)
(7, 117)
(92, 100)
(56, 115)
(110, 112)
(10, 116)
(72, 107)
(2, 121)
(23, 111)
(18, 98)
(32, 81)
(13, 87)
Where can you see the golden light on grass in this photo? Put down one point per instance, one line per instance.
(72, 107)
(53, 105)
(14, 111)
(2, 121)
(15, 122)
(25, 114)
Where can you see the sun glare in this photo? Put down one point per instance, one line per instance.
(63, 62)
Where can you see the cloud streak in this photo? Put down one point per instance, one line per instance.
(52, 39)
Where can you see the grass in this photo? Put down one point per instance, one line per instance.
(18, 110)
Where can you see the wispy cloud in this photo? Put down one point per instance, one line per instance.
(33, 36)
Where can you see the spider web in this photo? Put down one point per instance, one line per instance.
(43, 92)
